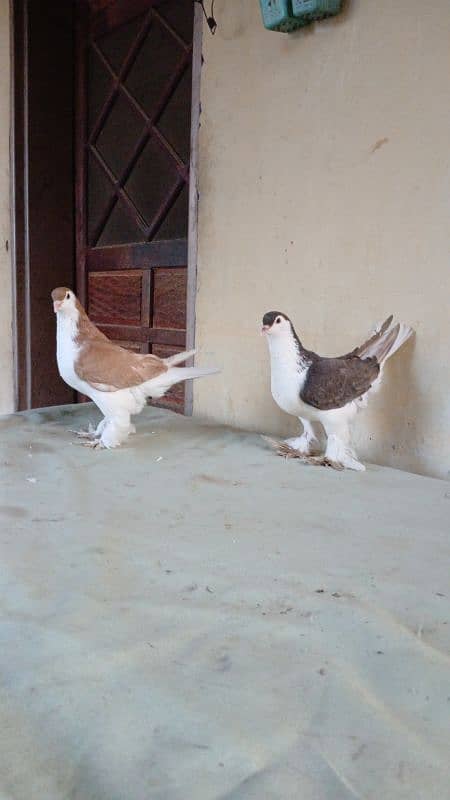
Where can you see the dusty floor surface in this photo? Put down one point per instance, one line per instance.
(217, 623)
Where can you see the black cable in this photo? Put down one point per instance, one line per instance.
(212, 24)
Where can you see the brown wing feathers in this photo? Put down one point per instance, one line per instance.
(108, 367)
(334, 382)
(105, 365)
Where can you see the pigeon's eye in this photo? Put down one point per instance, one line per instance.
(278, 320)
(68, 296)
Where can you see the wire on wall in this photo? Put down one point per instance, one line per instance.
(212, 24)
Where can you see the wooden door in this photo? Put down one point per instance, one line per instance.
(134, 90)
(42, 191)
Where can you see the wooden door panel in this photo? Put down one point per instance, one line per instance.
(115, 298)
(133, 171)
(149, 336)
(174, 399)
(169, 298)
(136, 347)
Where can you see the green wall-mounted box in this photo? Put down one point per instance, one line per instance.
(288, 15)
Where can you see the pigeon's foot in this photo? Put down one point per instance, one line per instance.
(89, 434)
(107, 435)
(304, 445)
(94, 444)
(339, 453)
(284, 450)
(351, 462)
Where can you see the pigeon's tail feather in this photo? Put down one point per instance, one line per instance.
(403, 334)
(176, 374)
(179, 358)
(377, 334)
(386, 341)
(383, 346)
(157, 387)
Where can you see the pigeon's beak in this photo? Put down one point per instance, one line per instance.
(264, 329)
(57, 305)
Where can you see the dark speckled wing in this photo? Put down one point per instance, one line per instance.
(334, 382)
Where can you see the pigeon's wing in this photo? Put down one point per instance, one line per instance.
(334, 382)
(108, 367)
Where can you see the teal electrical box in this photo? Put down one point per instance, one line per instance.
(289, 15)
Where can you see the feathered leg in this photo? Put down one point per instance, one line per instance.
(112, 431)
(307, 444)
(338, 451)
(91, 433)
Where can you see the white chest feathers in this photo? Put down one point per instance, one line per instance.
(287, 374)
(67, 350)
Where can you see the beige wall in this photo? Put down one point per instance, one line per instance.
(325, 193)
(6, 354)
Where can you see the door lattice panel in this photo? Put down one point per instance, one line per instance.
(133, 171)
(139, 124)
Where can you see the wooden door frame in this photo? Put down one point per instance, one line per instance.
(20, 242)
(18, 194)
(193, 197)
(41, 256)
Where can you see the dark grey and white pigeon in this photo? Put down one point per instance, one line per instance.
(328, 391)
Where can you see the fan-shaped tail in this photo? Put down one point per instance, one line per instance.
(385, 341)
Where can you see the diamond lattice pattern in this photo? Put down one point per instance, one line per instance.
(139, 108)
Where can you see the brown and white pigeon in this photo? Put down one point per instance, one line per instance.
(117, 380)
(326, 390)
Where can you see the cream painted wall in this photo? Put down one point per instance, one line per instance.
(325, 193)
(6, 338)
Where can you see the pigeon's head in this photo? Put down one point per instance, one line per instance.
(276, 324)
(64, 301)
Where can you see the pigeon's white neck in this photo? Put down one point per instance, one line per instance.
(67, 347)
(284, 351)
(67, 321)
(66, 334)
(288, 370)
